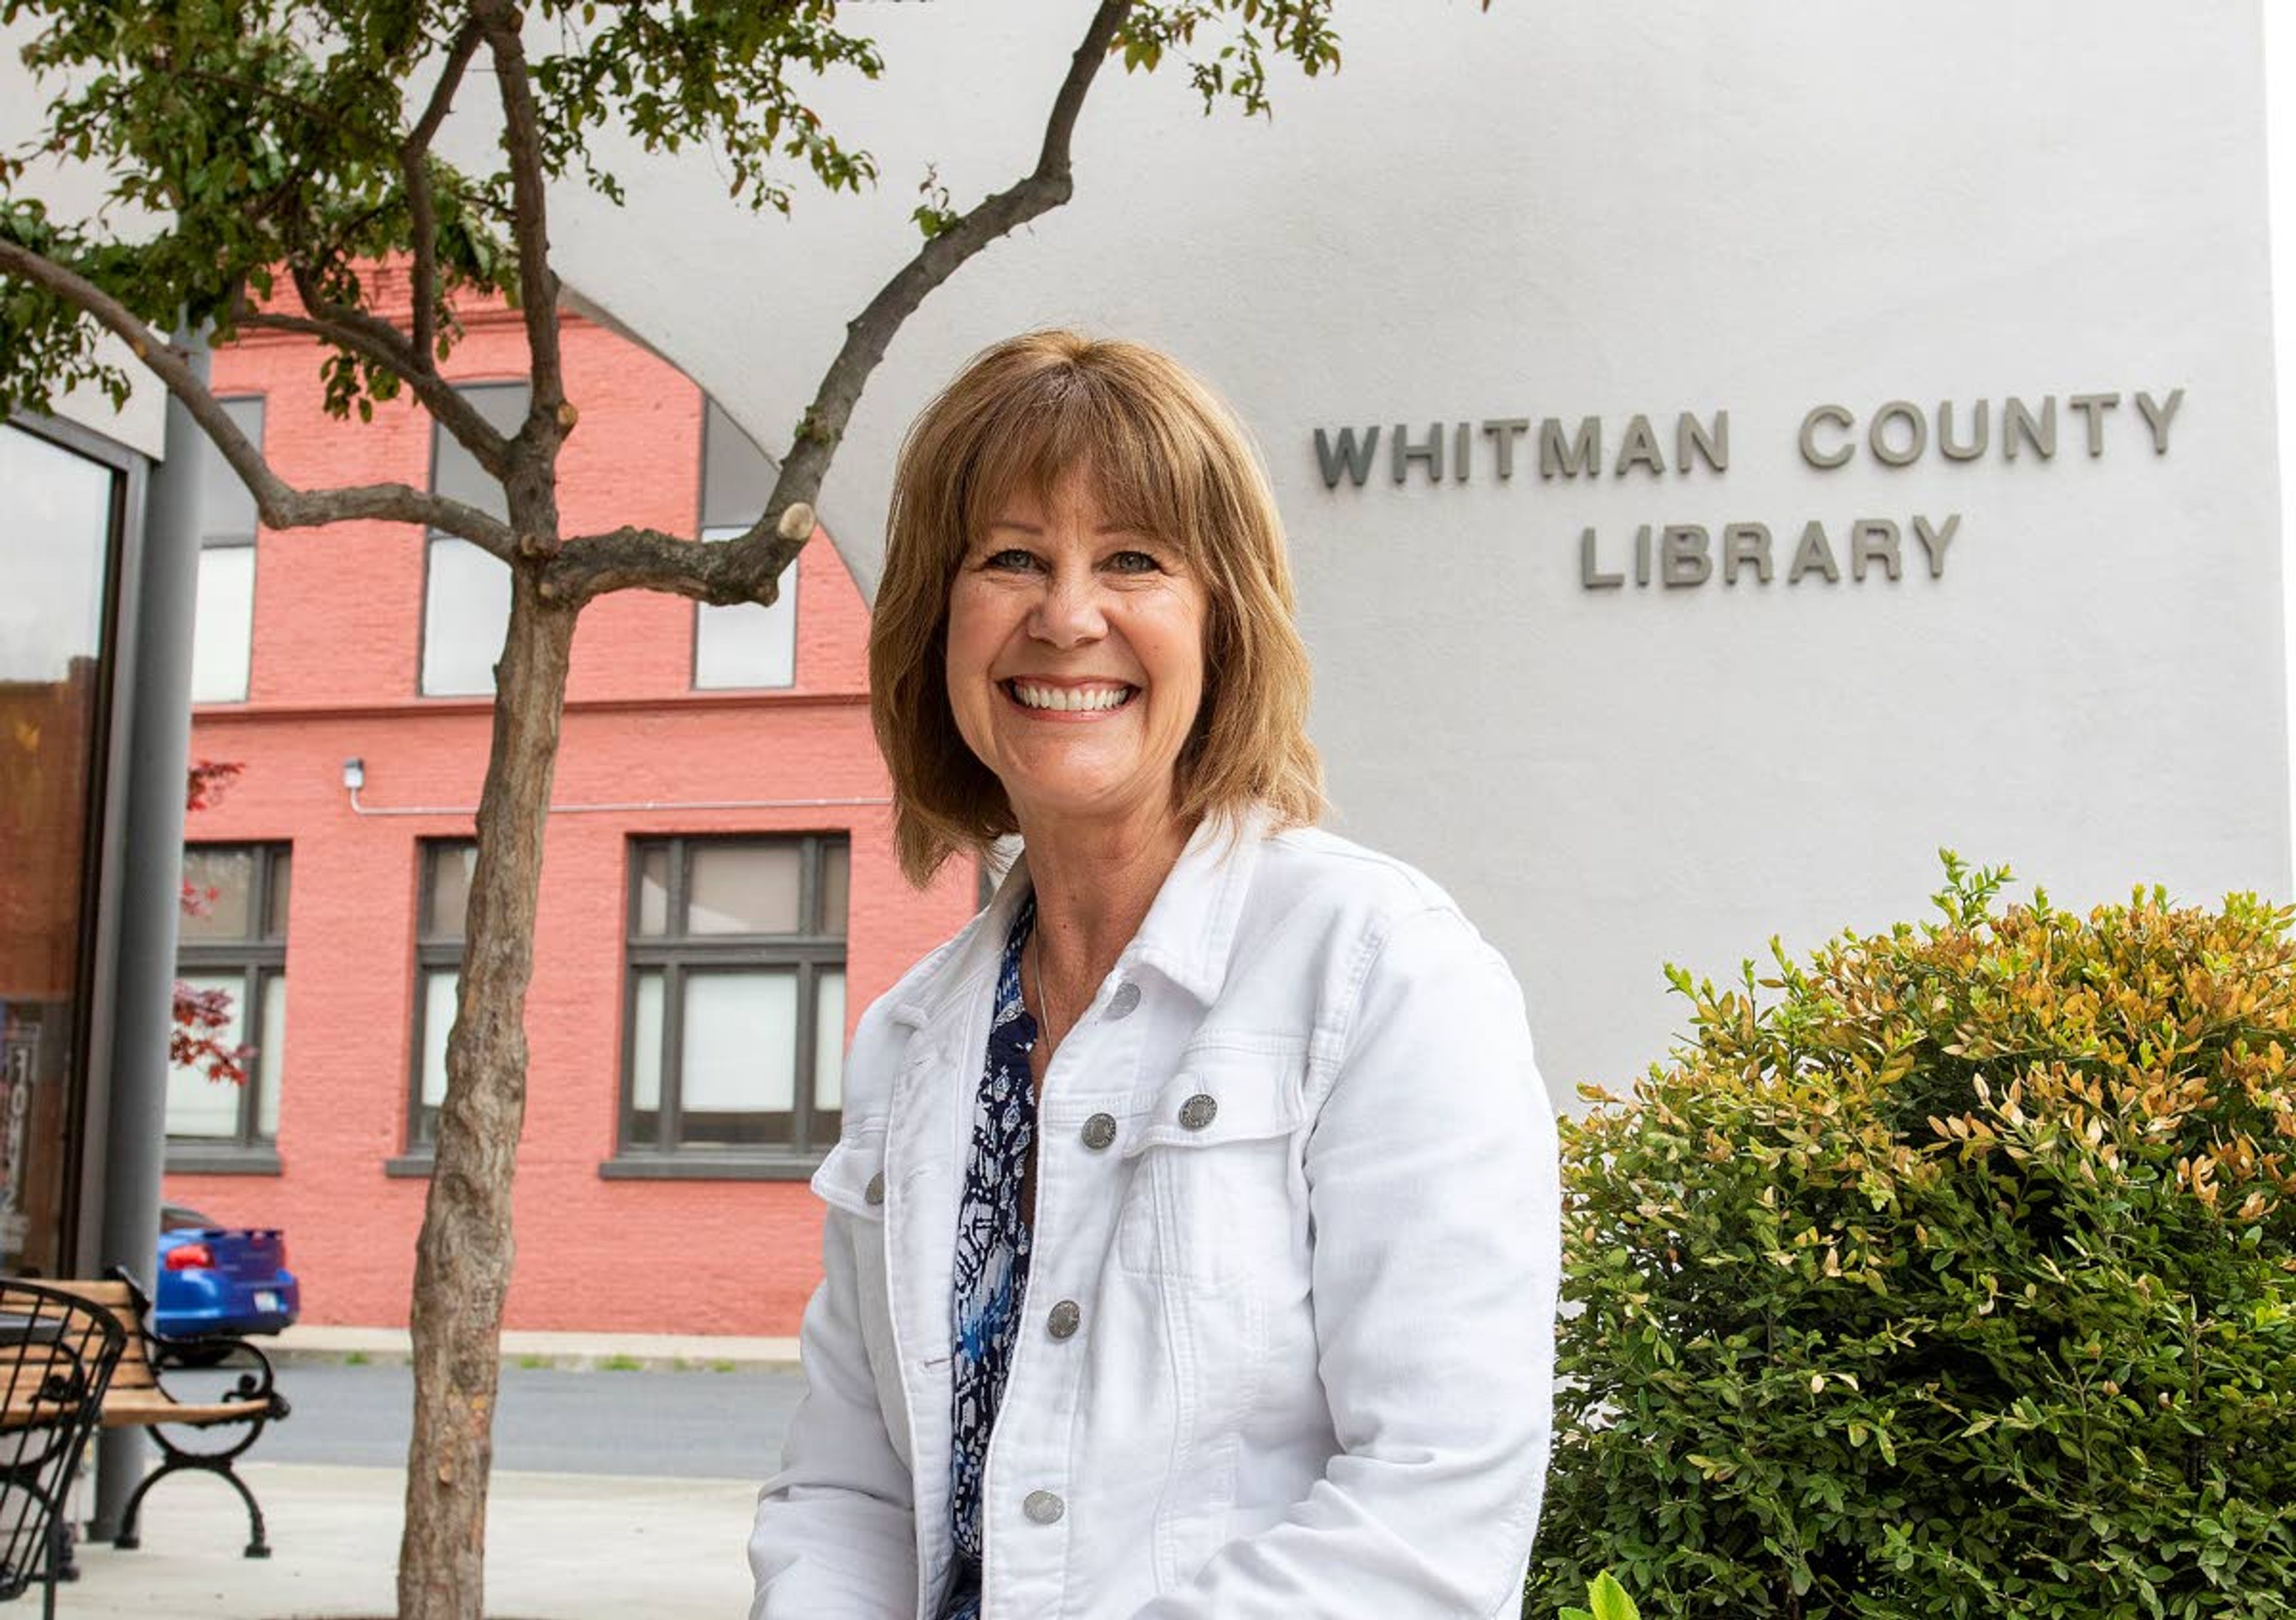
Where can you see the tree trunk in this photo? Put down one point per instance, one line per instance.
(463, 1265)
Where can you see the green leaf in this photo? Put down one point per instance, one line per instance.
(1609, 1599)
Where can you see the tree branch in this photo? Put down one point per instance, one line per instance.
(1044, 189)
(720, 571)
(746, 569)
(414, 161)
(379, 342)
(530, 221)
(280, 504)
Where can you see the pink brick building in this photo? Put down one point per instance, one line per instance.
(719, 899)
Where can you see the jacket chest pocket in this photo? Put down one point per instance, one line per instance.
(1215, 1197)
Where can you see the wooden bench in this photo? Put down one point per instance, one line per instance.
(138, 1399)
(57, 1353)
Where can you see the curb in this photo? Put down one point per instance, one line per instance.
(304, 1346)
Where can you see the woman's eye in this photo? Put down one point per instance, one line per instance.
(1011, 557)
(1134, 562)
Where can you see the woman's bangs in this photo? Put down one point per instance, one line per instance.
(1067, 428)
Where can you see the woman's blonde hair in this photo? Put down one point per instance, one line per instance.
(1165, 456)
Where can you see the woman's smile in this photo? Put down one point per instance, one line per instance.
(1068, 701)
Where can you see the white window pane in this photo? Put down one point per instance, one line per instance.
(439, 1004)
(58, 522)
(447, 903)
(282, 878)
(743, 889)
(836, 885)
(645, 1048)
(829, 1040)
(737, 480)
(264, 1072)
(226, 505)
(740, 1034)
(198, 1105)
(223, 624)
(653, 893)
(222, 878)
(455, 472)
(746, 643)
(466, 606)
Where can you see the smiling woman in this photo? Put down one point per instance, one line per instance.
(1065, 510)
(1193, 1233)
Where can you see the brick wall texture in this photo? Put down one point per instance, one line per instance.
(336, 651)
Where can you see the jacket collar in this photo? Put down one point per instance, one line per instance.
(1188, 934)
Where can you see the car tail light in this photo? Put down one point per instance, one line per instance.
(191, 1258)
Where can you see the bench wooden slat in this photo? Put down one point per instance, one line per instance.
(132, 1407)
(127, 1414)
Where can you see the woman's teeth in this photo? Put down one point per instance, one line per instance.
(1070, 698)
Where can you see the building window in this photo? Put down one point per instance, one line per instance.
(68, 492)
(445, 896)
(733, 1037)
(236, 942)
(466, 591)
(745, 644)
(223, 634)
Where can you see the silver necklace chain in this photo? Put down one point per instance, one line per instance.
(1044, 1003)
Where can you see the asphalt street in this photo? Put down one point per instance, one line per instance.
(697, 1425)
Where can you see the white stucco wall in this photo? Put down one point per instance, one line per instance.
(1572, 210)
(2280, 103)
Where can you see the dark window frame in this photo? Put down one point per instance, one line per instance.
(674, 953)
(259, 958)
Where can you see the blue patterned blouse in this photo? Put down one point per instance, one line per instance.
(992, 1259)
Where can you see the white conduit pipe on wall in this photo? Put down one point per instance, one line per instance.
(355, 779)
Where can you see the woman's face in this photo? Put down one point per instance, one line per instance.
(1075, 657)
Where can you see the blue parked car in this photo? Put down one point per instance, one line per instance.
(218, 1280)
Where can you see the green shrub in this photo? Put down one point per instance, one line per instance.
(1948, 1275)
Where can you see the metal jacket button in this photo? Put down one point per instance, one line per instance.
(1127, 997)
(1043, 1507)
(876, 1193)
(1099, 1131)
(1063, 1318)
(1198, 1111)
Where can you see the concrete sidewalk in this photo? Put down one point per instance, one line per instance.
(559, 1547)
(676, 1351)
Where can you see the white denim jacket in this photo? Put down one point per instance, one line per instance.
(1296, 1195)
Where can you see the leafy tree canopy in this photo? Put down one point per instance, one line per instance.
(261, 136)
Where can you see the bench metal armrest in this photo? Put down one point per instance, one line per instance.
(256, 1381)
